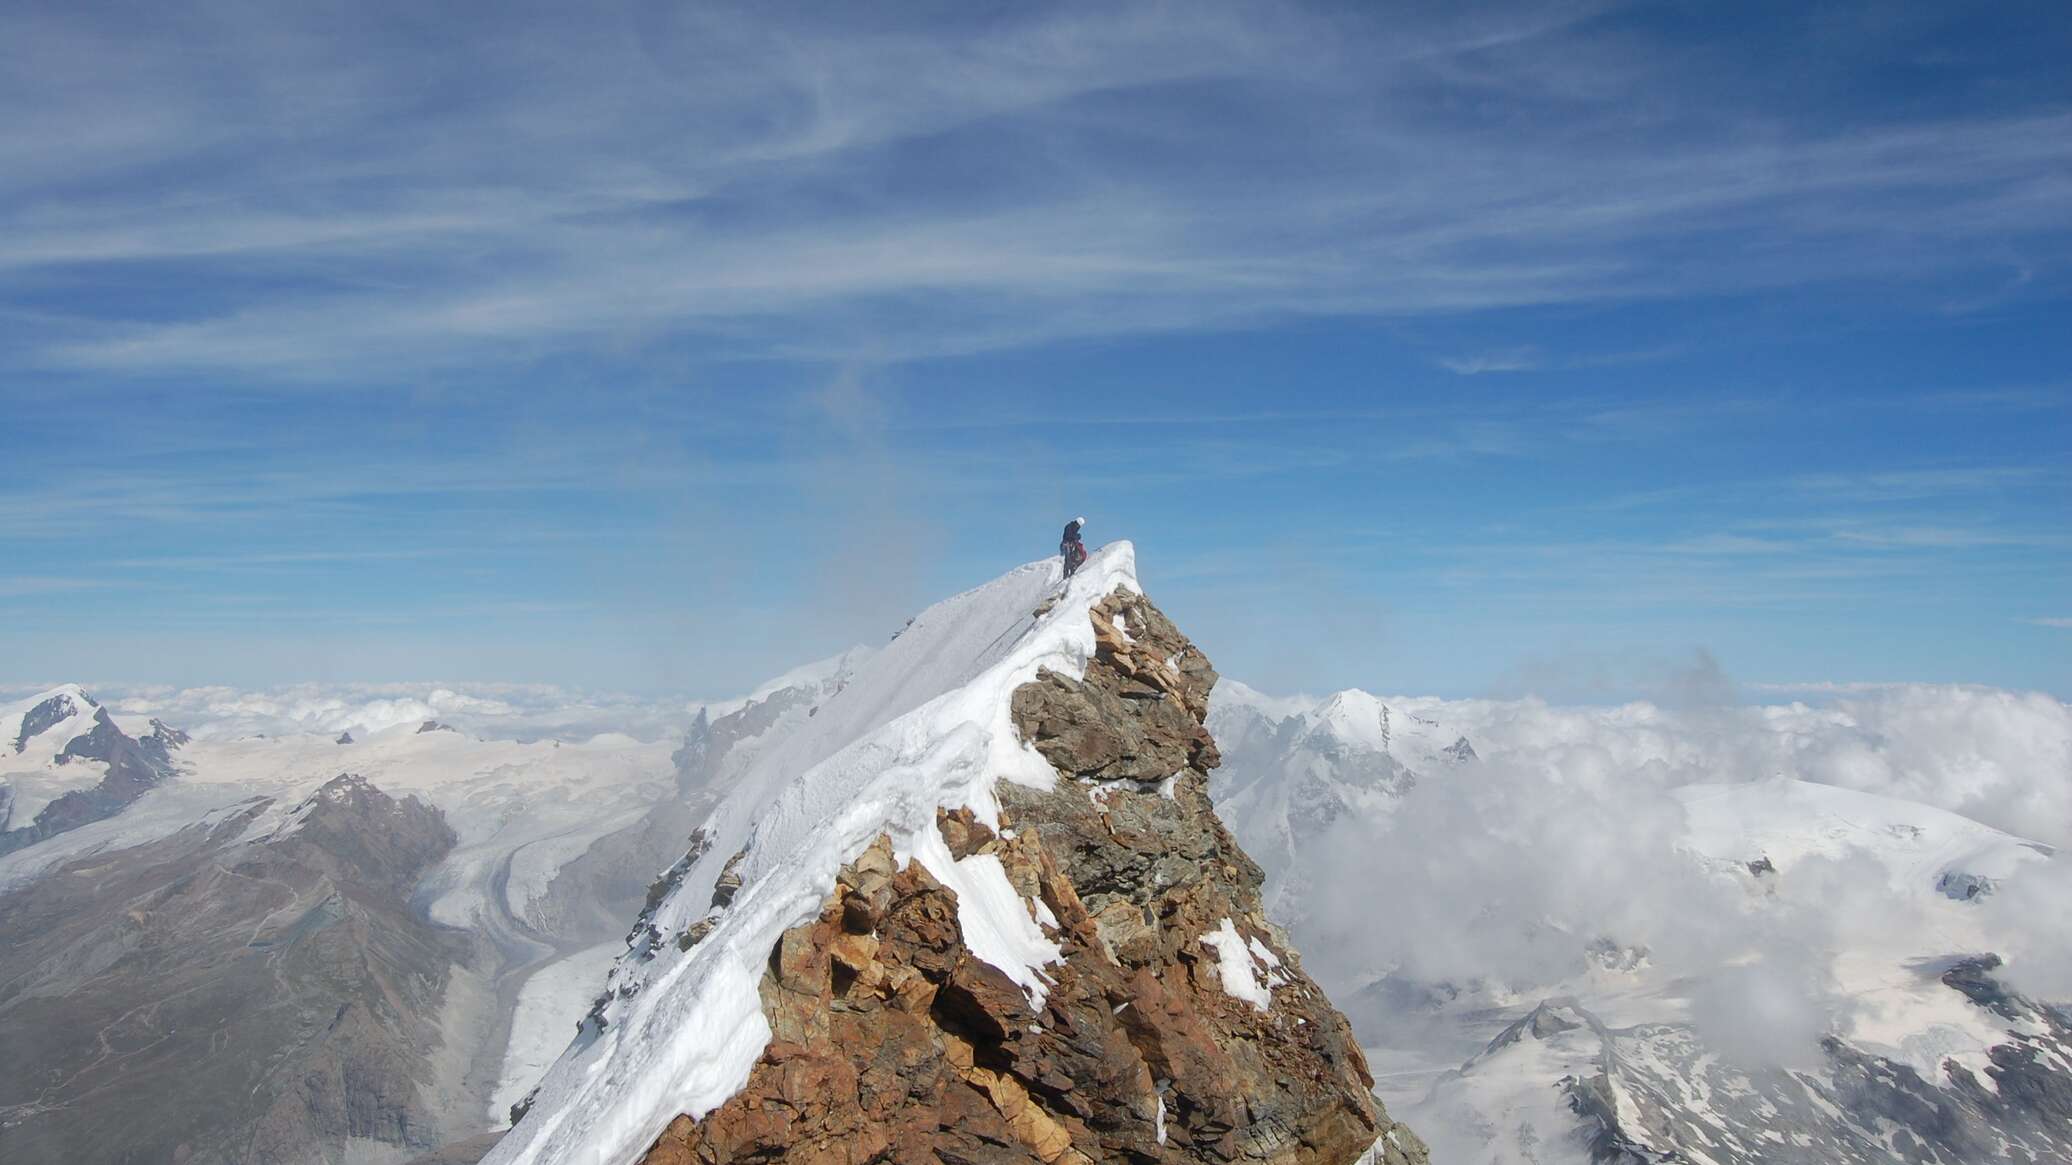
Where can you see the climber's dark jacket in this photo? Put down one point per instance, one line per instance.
(1072, 548)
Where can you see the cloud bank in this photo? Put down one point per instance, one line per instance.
(1564, 855)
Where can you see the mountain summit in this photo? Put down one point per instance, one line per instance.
(977, 908)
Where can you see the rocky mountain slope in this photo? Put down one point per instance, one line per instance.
(252, 988)
(978, 908)
(1655, 1091)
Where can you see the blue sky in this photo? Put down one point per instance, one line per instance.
(661, 346)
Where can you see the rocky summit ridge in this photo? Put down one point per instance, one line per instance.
(975, 906)
(1175, 1023)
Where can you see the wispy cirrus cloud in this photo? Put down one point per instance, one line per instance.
(1944, 537)
(1507, 360)
(288, 559)
(1901, 484)
(762, 185)
(26, 586)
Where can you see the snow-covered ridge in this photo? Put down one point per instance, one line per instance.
(828, 674)
(923, 724)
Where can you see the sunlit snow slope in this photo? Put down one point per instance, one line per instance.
(924, 723)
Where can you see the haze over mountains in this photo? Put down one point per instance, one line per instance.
(1733, 934)
(1833, 930)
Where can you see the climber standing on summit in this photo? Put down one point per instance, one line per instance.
(1071, 547)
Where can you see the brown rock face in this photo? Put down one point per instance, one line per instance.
(893, 1042)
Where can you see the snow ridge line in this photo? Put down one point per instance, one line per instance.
(687, 1029)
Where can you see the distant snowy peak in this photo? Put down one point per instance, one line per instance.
(1232, 694)
(1349, 720)
(1294, 766)
(66, 724)
(64, 762)
(50, 721)
(1360, 718)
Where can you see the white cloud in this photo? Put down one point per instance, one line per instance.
(1911, 484)
(1945, 538)
(497, 711)
(1508, 360)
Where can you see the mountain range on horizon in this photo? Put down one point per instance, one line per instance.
(460, 907)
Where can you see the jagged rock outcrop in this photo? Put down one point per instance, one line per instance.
(255, 988)
(1176, 1026)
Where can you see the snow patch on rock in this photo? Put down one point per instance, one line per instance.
(1244, 973)
(997, 923)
